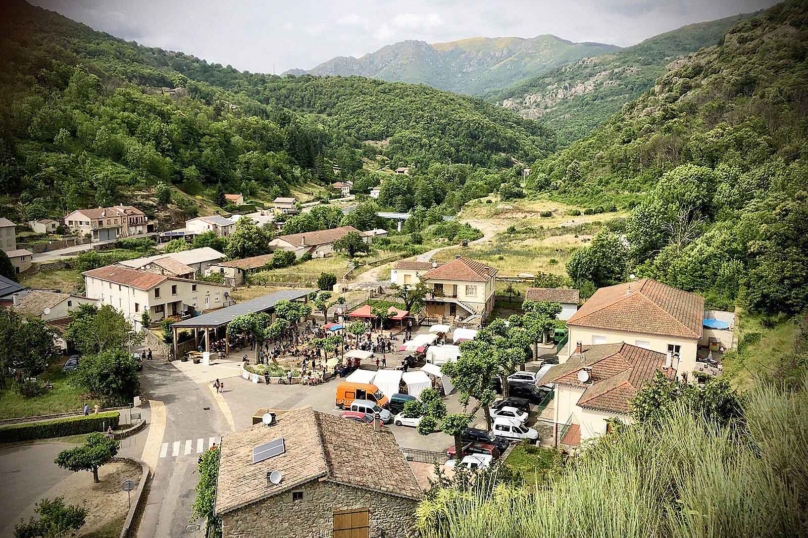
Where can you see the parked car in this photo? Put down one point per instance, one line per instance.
(401, 420)
(71, 364)
(510, 412)
(398, 401)
(522, 404)
(138, 360)
(532, 394)
(513, 430)
(522, 378)
(472, 461)
(476, 448)
(347, 392)
(366, 406)
(474, 435)
(365, 418)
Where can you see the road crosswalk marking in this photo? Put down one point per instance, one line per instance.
(187, 447)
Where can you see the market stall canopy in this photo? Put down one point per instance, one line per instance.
(461, 335)
(445, 380)
(397, 314)
(361, 376)
(419, 343)
(439, 329)
(366, 312)
(417, 382)
(330, 363)
(439, 355)
(358, 354)
(336, 327)
(388, 381)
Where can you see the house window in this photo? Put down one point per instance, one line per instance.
(159, 308)
(471, 291)
(297, 495)
(174, 289)
(673, 349)
(137, 307)
(69, 304)
(645, 344)
(157, 292)
(598, 339)
(193, 287)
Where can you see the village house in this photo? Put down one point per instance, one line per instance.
(315, 474)
(568, 299)
(235, 271)
(374, 192)
(8, 235)
(21, 259)
(197, 259)
(597, 384)
(101, 224)
(235, 199)
(319, 244)
(403, 170)
(8, 288)
(43, 226)
(133, 292)
(343, 187)
(48, 305)
(133, 221)
(646, 314)
(221, 226)
(285, 205)
(372, 235)
(261, 218)
(408, 273)
(168, 266)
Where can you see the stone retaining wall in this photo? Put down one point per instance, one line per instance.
(138, 498)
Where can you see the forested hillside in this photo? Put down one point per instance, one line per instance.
(470, 66)
(715, 154)
(575, 98)
(85, 119)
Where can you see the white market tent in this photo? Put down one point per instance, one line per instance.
(439, 355)
(361, 376)
(439, 329)
(445, 380)
(420, 341)
(359, 354)
(388, 381)
(461, 335)
(416, 382)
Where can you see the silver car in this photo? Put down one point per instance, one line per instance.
(366, 406)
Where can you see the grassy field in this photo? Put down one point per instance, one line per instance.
(110, 530)
(66, 280)
(533, 462)
(63, 398)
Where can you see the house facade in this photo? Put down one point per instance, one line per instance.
(645, 313)
(235, 199)
(597, 385)
(374, 192)
(568, 299)
(8, 235)
(323, 476)
(134, 222)
(216, 223)
(235, 271)
(101, 224)
(342, 187)
(48, 305)
(43, 226)
(133, 292)
(21, 259)
(285, 205)
(319, 244)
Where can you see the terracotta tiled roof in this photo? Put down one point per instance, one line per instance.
(98, 212)
(173, 266)
(646, 307)
(552, 295)
(232, 196)
(248, 263)
(35, 302)
(414, 266)
(124, 276)
(317, 446)
(128, 210)
(573, 436)
(339, 185)
(321, 237)
(462, 269)
(617, 372)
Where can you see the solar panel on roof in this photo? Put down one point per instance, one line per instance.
(276, 447)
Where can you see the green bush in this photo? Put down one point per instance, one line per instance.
(546, 214)
(326, 281)
(574, 212)
(59, 427)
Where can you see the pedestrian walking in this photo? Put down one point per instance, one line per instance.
(384, 361)
(149, 355)
(221, 387)
(216, 384)
(377, 363)
(289, 376)
(86, 410)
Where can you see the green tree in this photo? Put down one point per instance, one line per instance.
(221, 200)
(455, 424)
(604, 262)
(210, 239)
(96, 451)
(357, 329)
(110, 375)
(433, 409)
(56, 519)
(247, 240)
(473, 375)
(6, 268)
(351, 243)
(364, 217)
(205, 500)
(25, 346)
(163, 193)
(254, 324)
(95, 329)
(326, 281)
(145, 319)
(283, 258)
(413, 296)
(176, 245)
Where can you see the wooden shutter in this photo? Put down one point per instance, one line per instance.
(352, 523)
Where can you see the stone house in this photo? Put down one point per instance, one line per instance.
(312, 474)
(197, 259)
(235, 199)
(568, 299)
(215, 223)
(319, 244)
(8, 235)
(43, 226)
(285, 205)
(48, 305)
(21, 259)
(459, 289)
(343, 187)
(234, 271)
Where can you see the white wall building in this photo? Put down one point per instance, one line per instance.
(568, 299)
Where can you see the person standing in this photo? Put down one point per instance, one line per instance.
(221, 387)
(289, 376)
(377, 363)
(216, 384)
(384, 361)
(149, 355)
(86, 409)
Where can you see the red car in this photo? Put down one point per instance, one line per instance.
(475, 448)
(365, 418)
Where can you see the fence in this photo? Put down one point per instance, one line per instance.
(425, 456)
(562, 343)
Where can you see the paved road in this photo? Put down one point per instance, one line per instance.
(193, 423)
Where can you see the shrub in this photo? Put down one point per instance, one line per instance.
(59, 427)
(546, 214)
(326, 281)
(283, 258)
(574, 212)
(416, 238)
(589, 211)
(30, 388)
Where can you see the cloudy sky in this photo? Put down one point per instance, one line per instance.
(276, 35)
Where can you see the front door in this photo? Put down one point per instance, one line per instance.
(173, 309)
(353, 523)
(452, 309)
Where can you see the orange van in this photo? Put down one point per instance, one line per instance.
(347, 392)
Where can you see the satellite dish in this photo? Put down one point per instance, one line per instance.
(47, 311)
(275, 477)
(583, 376)
(268, 419)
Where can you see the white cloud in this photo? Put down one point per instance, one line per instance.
(383, 32)
(414, 21)
(287, 26)
(353, 20)
(315, 29)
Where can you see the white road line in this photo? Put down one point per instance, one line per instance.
(200, 445)
(175, 450)
(164, 450)
(211, 442)
(188, 446)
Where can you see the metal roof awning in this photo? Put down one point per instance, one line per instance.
(223, 316)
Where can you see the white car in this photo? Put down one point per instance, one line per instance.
(401, 420)
(522, 378)
(513, 430)
(510, 412)
(473, 461)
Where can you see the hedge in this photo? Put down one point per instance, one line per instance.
(59, 427)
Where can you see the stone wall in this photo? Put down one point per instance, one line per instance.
(313, 516)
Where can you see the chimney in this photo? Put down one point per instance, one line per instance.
(15, 299)
(302, 240)
(457, 256)
(669, 360)
(579, 348)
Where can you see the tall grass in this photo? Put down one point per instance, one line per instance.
(684, 477)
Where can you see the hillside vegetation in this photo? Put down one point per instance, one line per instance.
(715, 155)
(470, 66)
(577, 97)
